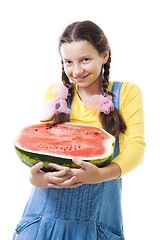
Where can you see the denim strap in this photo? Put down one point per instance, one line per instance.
(116, 90)
(69, 105)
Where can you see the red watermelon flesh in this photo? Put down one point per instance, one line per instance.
(64, 141)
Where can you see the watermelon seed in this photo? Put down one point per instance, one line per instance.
(35, 130)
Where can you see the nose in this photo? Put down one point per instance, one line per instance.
(77, 70)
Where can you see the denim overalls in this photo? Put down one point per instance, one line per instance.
(88, 212)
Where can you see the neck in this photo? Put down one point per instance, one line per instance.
(93, 89)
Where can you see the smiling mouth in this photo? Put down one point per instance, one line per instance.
(81, 78)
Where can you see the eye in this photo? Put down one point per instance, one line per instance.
(68, 62)
(85, 60)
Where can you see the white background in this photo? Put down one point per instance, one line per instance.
(29, 63)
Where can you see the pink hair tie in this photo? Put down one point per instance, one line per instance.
(57, 105)
(100, 103)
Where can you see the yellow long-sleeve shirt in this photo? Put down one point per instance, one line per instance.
(131, 107)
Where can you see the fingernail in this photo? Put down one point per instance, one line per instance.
(75, 159)
(74, 178)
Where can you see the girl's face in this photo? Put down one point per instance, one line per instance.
(82, 62)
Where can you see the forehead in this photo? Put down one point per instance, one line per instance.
(77, 49)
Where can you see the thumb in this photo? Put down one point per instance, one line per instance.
(36, 167)
(80, 162)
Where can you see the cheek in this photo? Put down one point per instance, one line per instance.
(99, 67)
(67, 71)
(96, 67)
(90, 68)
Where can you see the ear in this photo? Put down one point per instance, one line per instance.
(105, 57)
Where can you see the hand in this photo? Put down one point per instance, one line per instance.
(87, 174)
(63, 178)
(41, 179)
(91, 174)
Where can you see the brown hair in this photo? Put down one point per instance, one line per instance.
(89, 31)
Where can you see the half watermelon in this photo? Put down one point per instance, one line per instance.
(62, 142)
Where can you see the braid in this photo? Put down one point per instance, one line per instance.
(106, 75)
(67, 83)
(113, 122)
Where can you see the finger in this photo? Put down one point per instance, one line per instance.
(75, 185)
(61, 173)
(56, 166)
(36, 167)
(64, 184)
(81, 163)
(57, 180)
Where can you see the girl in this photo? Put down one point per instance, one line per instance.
(85, 203)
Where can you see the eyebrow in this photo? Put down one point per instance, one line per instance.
(85, 56)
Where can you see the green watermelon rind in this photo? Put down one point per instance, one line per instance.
(31, 158)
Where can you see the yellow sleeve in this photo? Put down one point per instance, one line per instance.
(48, 94)
(132, 143)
